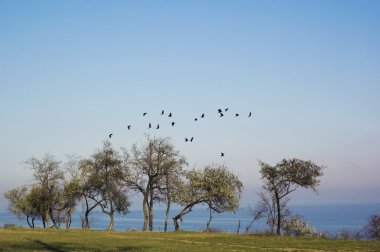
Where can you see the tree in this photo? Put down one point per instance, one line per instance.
(106, 181)
(153, 168)
(48, 176)
(286, 176)
(18, 204)
(214, 186)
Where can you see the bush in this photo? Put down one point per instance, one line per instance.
(296, 226)
(10, 226)
(372, 229)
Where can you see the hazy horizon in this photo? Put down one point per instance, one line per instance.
(73, 72)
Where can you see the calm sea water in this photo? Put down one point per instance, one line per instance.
(328, 217)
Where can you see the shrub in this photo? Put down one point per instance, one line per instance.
(10, 226)
(296, 226)
(372, 229)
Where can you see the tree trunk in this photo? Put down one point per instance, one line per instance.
(184, 211)
(32, 222)
(278, 213)
(145, 209)
(110, 226)
(209, 220)
(27, 220)
(238, 229)
(167, 215)
(151, 211)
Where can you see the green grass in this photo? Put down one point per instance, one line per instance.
(82, 240)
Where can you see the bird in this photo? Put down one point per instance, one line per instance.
(150, 126)
(226, 109)
(221, 115)
(110, 135)
(191, 139)
(236, 115)
(203, 115)
(163, 112)
(170, 114)
(173, 123)
(186, 140)
(144, 114)
(250, 114)
(129, 127)
(196, 119)
(158, 126)
(222, 154)
(219, 110)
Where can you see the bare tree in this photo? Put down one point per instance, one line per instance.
(286, 176)
(152, 171)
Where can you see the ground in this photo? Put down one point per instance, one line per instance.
(89, 240)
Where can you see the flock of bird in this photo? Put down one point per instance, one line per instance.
(219, 111)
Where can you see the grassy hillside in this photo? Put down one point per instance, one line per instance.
(79, 240)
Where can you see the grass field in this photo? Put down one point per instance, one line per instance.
(81, 240)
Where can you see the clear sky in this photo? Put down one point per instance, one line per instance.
(71, 72)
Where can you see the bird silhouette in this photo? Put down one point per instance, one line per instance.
(144, 114)
(191, 139)
(150, 126)
(219, 110)
(163, 112)
(203, 116)
(129, 127)
(158, 126)
(196, 119)
(250, 114)
(170, 114)
(236, 115)
(173, 123)
(221, 115)
(222, 154)
(186, 140)
(226, 109)
(110, 135)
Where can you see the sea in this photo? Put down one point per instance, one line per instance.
(328, 218)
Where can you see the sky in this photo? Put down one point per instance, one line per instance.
(72, 72)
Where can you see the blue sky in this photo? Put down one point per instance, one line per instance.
(71, 72)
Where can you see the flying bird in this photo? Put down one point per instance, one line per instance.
(186, 140)
(219, 110)
(110, 135)
(170, 114)
(221, 115)
(236, 115)
(129, 127)
(163, 112)
(158, 126)
(144, 114)
(226, 109)
(173, 123)
(150, 126)
(196, 119)
(250, 114)
(203, 115)
(222, 154)
(191, 139)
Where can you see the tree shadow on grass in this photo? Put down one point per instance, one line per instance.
(38, 245)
